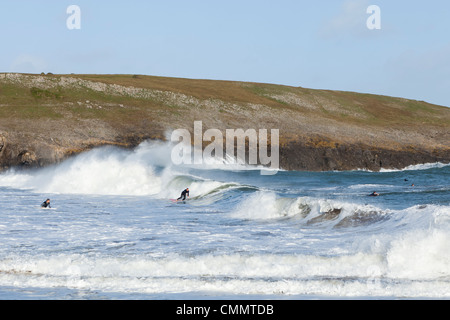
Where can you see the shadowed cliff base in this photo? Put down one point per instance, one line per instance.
(46, 118)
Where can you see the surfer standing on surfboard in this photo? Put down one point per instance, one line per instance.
(184, 194)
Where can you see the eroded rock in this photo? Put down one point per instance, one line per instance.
(27, 158)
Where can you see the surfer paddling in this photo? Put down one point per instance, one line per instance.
(46, 204)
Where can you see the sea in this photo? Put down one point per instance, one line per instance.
(113, 233)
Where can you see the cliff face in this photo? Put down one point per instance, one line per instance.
(46, 118)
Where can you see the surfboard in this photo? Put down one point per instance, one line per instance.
(178, 201)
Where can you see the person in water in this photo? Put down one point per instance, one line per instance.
(184, 194)
(46, 204)
(374, 194)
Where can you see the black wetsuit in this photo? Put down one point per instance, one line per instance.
(45, 204)
(183, 195)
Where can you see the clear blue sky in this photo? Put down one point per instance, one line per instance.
(313, 44)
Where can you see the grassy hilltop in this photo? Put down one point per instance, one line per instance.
(46, 118)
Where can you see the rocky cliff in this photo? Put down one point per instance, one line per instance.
(47, 118)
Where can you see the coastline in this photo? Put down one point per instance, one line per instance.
(45, 119)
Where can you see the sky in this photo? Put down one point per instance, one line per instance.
(313, 44)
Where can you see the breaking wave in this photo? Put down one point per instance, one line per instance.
(145, 171)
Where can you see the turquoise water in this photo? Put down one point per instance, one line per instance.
(113, 233)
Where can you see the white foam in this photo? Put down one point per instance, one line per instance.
(113, 171)
(105, 171)
(345, 275)
(264, 205)
(424, 166)
(420, 255)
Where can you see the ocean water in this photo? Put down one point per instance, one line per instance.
(113, 233)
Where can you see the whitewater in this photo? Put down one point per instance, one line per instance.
(113, 233)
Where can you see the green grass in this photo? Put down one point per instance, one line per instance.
(46, 94)
(34, 111)
(349, 107)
